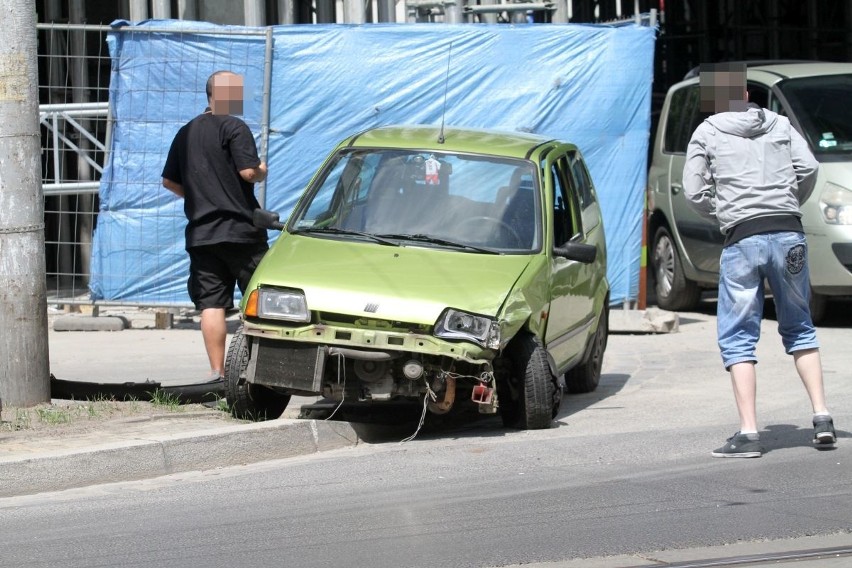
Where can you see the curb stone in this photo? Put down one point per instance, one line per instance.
(168, 454)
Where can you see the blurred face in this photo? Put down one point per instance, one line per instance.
(227, 97)
(723, 91)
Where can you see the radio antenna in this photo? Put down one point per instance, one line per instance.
(446, 82)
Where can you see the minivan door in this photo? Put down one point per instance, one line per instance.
(699, 237)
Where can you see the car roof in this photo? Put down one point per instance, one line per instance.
(467, 140)
(788, 68)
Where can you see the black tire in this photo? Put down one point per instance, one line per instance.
(674, 291)
(248, 401)
(537, 393)
(586, 376)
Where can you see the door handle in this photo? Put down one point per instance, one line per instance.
(676, 188)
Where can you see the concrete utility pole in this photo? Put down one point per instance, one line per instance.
(24, 361)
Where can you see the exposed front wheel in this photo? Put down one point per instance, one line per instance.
(249, 401)
(586, 376)
(674, 290)
(536, 394)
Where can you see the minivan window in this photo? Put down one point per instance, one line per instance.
(821, 105)
(684, 117)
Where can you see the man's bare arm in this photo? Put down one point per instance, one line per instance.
(174, 187)
(254, 175)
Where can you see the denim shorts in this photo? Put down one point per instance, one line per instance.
(781, 259)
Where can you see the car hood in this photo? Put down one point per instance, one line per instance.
(407, 283)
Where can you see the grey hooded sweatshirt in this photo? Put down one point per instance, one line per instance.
(749, 164)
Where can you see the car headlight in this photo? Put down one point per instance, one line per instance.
(835, 202)
(287, 305)
(454, 324)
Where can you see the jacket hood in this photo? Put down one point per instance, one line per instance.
(746, 124)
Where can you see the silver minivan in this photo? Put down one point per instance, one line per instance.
(685, 247)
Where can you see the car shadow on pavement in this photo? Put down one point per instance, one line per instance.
(783, 436)
(610, 384)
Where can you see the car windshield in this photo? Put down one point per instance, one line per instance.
(822, 107)
(425, 198)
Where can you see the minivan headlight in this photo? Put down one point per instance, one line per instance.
(835, 202)
(287, 305)
(455, 324)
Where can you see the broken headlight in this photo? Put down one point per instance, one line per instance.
(454, 324)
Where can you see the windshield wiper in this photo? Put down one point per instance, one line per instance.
(421, 238)
(336, 231)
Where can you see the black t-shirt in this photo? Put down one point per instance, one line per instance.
(205, 158)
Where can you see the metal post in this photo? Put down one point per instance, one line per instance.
(255, 12)
(453, 12)
(24, 356)
(386, 10)
(264, 120)
(162, 9)
(353, 12)
(286, 12)
(325, 11)
(489, 17)
(80, 94)
(187, 9)
(138, 10)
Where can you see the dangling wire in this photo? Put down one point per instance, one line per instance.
(341, 365)
(429, 394)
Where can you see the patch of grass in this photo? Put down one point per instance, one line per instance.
(165, 400)
(52, 415)
(20, 421)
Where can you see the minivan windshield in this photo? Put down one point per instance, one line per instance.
(821, 104)
(425, 198)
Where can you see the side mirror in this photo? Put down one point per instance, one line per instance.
(577, 251)
(265, 219)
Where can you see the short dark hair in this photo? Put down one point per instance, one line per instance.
(210, 82)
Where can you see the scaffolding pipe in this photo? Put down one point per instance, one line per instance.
(187, 9)
(264, 119)
(138, 10)
(255, 13)
(353, 12)
(162, 9)
(519, 7)
(286, 12)
(386, 10)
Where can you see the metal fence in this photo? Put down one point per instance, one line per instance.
(76, 127)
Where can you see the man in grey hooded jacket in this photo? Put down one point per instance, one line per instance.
(749, 169)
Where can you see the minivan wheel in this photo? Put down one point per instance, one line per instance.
(538, 393)
(249, 401)
(586, 376)
(674, 290)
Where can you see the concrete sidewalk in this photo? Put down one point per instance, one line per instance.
(163, 443)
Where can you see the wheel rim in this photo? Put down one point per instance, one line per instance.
(664, 261)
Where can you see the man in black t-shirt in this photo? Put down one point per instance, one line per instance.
(213, 164)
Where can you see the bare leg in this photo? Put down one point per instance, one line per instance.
(809, 367)
(744, 381)
(214, 329)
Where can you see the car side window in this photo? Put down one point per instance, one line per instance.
(566, 214)
(585, 190)
(684, 117)
(758, 94)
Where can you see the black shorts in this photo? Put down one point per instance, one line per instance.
(214, 270)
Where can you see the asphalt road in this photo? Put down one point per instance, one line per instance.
(627, 470)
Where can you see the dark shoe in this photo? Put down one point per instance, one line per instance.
(739, 446)
(824, 430)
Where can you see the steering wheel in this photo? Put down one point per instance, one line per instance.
(504, 227)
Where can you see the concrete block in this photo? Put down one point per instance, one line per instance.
(652, 320)
(89, 323)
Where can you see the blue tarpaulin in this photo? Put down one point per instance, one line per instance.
(587, 84)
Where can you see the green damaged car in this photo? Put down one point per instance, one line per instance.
(448, 266)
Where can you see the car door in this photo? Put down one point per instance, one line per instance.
(572, 283)
(699, 237)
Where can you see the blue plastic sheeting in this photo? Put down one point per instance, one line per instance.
(590, 85)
